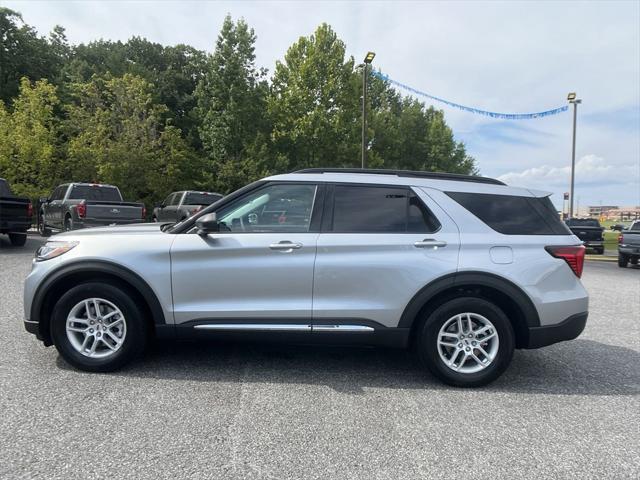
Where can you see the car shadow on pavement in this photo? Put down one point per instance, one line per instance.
(579, 367)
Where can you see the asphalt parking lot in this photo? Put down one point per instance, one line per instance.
(571, 410)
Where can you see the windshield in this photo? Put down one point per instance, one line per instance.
(95, 192)
(201, 198)
(583, 222)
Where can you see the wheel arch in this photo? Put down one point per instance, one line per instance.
(515, 303)
(61, 280)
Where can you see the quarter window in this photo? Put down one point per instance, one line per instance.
(365, 209)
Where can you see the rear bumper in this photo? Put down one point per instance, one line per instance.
(593, 243)
(568, 329)
(96, 222)
(631, 250)
(18, 226)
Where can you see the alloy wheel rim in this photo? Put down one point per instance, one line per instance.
(96, 328)
(468, 343)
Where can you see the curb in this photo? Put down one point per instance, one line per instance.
(601, 258)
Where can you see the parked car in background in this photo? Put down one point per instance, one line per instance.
(462, 269)
(589, 231)
(618, 227)
(180, 205)
(629, 245)
(72, 206)
(15, 215)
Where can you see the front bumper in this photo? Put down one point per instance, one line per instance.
(568, 329)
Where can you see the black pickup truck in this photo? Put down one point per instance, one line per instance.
(15, 215)
(72, 206)
(589, 231)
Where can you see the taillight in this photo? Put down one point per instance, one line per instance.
(81, 209)
(144, 212)
(30, 210)
(573, 255)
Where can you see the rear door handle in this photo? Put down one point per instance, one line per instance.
(285, 246)
(430, 243)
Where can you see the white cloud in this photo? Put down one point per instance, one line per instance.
(590, 169)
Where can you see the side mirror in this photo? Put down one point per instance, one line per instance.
(207, 224)
(43, 200)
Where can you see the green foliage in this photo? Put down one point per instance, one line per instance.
(314, 104)
(231, 107)
(117, 135)
(28, 139)
(153, 119)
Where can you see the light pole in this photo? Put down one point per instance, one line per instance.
(573, 99)
(367, 61)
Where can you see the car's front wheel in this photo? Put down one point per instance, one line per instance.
(98, 327)
(466, 342)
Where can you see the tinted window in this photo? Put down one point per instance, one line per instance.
(274, 208)
(90, 192)
(5, 191)
(175, 199)
(635, 226)
(512, 215)
(583, 222)
(58, 193)
(201, 198)
(364, 209)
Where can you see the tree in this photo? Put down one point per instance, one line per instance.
(117, 136)
(231, 107)
(24, 54)
(28, 137)
(314, 104)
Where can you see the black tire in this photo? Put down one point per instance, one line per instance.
(42, 228)
(600, 251)
(154, 219)
(18, 239)
(68, 223)
(623, 260)
(427, 348)
(136, 334)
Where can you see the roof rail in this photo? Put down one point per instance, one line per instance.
(407, 173)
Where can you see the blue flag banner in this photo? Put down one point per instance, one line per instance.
(504, 116)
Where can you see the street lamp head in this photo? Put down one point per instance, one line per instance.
(571, 96)
(369, 57)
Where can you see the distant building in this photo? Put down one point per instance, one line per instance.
(596, 211)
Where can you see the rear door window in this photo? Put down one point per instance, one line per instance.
(379, 209)
(513, 215)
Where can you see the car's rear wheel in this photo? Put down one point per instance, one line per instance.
(623, 260)
(97, 327)
(68, 224)
(466, 342)
(18, 239)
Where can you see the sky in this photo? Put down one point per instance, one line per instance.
(498, 56)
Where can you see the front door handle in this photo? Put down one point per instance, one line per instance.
(285, 246)
(430, 243)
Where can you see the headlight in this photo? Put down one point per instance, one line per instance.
(53, 249)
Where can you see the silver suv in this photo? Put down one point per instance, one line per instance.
(462, 269)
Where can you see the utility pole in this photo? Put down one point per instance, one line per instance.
(572, 97)
(365, 68)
